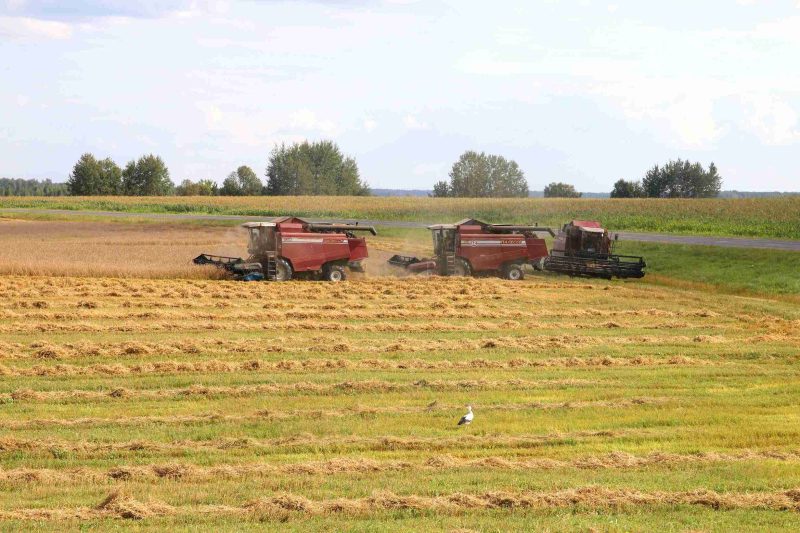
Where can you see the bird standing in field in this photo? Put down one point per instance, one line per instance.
(467, 418)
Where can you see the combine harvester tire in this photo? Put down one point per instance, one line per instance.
(514, 272)
(334, 273)
(283, 270)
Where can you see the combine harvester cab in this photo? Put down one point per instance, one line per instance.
(285, 247)
(472, 247)
(584, 248)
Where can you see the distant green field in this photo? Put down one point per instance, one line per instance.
(758, 217)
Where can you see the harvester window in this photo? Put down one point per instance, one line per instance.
(590, 242)
(252, 245)
(437, 241)
(450, 241)
(261, 240)
(269, 238)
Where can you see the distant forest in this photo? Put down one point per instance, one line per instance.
(21, 187)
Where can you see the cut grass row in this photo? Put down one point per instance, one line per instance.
(688, 442)
(579, 518)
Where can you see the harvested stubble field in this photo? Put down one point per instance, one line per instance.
(197, 403)
(32, 247)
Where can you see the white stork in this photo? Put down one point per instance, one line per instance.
(467, 418)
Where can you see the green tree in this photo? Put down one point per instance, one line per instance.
(148, 176)
(560, 190)
(111, 176)
(317, 168)
(248, 181)
(627, 189)
(478, 175)
(91, 177)
(441, 189)
(186, 188)
(230, 186)
(682, 179)
(207, 188)
(199, 188)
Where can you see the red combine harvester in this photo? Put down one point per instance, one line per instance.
(286, 247)
(472, 247)
(584, 248)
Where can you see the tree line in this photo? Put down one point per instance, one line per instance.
(480, 175)
(146, 176)
(676, 179)
(316, 168)
(320, 168)
(22, 187)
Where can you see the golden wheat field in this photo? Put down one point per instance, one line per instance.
(144, 404)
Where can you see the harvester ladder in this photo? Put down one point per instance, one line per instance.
(449, 264)
(271, 268)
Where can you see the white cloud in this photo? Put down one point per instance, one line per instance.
(203, 7)
(89, 9)
(430, 169)
(692, 121)
(370, 124)
(146, 140)
(23, 100)
(14, 5)
(785, 29)
(513, 36)
(484, 63)
(305, 119)
(413, 123)
(212, 113)
(31, 29)
(679, 111)
(772, 120)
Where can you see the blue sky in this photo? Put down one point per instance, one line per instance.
(585, 92)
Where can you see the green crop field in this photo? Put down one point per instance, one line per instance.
(138, 394)
(762, 217)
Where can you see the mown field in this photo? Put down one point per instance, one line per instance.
(761, 217)
(201, 403)
(137, 394)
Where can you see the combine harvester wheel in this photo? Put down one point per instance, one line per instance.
(461, 268)
(514, 272)
(334, 273)
(283, 270)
